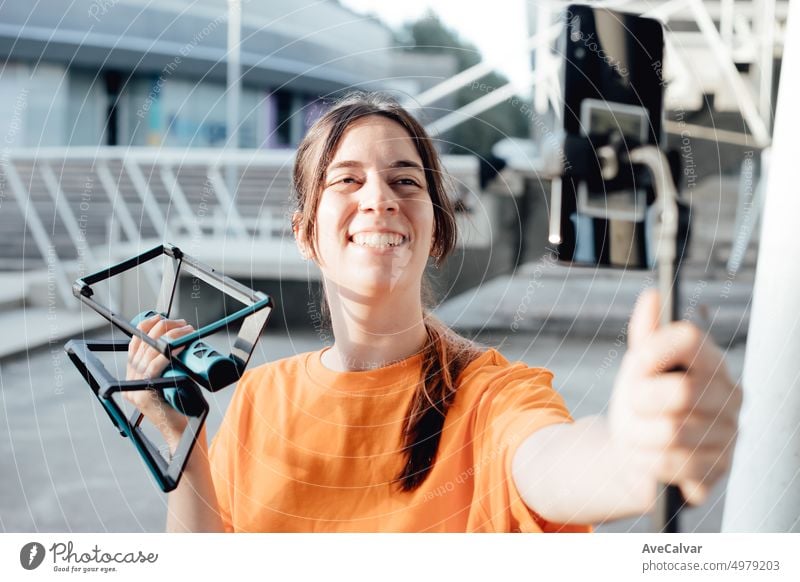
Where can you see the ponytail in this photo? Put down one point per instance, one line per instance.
(445, 356)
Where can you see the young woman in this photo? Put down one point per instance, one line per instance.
(401, 425)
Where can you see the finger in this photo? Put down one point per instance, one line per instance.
(147, 324)
(180, 331)
(133, 346)
(701, 467)
(141, 346)
(156, 366)
(144, 326)
(645, 318)
(696, 492)
(151, 325)
(684, 393)
(166, 330)
(145, 353)
(177, 333)
(696, 489)
(695, 433)
(680, 345)
(665, 394)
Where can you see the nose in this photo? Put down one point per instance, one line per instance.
(377, 196)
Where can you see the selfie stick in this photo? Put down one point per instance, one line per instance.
(582, 155)
(669, 500)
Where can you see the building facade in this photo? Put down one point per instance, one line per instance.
(137, 72)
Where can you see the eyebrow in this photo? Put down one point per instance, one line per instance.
(354, 164)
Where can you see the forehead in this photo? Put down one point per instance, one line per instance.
(376, 139)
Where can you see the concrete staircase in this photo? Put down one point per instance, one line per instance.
(32, 316)
(545, 297)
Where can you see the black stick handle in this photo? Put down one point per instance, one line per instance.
(669, 501)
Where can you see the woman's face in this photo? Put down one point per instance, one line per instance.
(375, 217)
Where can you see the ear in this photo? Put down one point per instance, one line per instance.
(299, 236)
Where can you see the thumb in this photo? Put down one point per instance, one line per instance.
(645, 318)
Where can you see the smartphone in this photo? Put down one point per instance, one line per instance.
(611, 90)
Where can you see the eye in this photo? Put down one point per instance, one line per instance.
(407, 182)
(342, 182)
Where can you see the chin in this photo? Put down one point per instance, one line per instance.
(378, 286)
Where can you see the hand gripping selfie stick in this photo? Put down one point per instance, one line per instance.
(669, 499)
(197, 365)
(668, 237)
(614, 201)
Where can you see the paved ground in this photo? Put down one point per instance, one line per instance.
(64, 468)
(547, 297)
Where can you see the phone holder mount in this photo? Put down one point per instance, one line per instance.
(649, 168)
(617, 226)
(196, 365)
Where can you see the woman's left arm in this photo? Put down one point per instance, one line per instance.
(663, 426)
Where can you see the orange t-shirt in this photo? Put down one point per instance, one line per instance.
(305, 448)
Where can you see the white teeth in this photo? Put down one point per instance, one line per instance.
(378, 239)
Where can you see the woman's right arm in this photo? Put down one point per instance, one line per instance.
(193, 504)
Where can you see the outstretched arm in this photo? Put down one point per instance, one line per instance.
(663, 426)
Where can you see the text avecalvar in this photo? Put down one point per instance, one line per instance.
(671, 549)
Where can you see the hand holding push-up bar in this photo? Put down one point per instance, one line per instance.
(193, 363)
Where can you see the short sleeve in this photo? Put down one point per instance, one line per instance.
(223, 451)
(518, 402)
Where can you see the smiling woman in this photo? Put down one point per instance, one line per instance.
(372, 209)
(403, 425)
(374, 217)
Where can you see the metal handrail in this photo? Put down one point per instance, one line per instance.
(755, 108)
(145, 172)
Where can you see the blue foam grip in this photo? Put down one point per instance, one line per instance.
(187, 401)
(201, 359)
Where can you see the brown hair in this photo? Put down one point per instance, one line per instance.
(445, 354)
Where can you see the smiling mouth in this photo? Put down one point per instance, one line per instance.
(378, 240)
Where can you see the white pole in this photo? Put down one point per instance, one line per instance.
(764, 488)
(542, 55)
(766, 59)
(234, 71)
(727, 8)
(744, 97)
(234, 88)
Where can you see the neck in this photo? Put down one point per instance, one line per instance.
(375, 333)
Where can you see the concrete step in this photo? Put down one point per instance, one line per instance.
(12, 292)
(547, 298)
(28, 328)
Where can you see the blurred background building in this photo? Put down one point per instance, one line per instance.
(115, 136)
(137, 72)
(118, 131)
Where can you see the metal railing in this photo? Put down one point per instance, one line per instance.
(749, 32)
(733, 33)
(84, 207)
